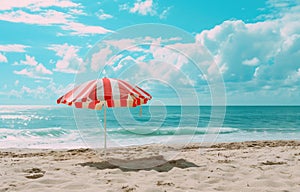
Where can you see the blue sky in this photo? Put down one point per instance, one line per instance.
(254, 44)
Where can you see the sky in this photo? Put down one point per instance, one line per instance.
(252, 49)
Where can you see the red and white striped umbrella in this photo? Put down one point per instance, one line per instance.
(105, 92)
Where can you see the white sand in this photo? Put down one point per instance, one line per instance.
(247, 166)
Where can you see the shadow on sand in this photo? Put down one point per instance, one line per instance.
(157, 163)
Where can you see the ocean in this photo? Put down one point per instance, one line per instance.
(60, 127)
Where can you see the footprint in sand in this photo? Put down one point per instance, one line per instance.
(34, 173)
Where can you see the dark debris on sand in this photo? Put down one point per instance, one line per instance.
(256, 144)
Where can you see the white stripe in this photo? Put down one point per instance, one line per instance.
(85, 105)
(100, 90)
(129, 101)
(117, 103)
(115, 89)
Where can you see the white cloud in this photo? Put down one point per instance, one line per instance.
(48, 17)
(36, 4)
(124, 61)
(58, 89)
(279, 4)
(293, 79)
(167, 54)
(70, 61)
(29, 61)
(121, 43)
(77, 12)
(103, 16)
(36, 93)
(258, 53)
(100, 58)
(108, 53)
(143, 7)
(34, 69)
(146, 7)
(35, 73)
(50, 91)
(3, 59)
(233, 42)
(41, 69)
(13, 48)
(81, 29)
(251, 62)
(161, 59)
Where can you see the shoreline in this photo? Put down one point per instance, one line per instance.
(231, 166)
(180, 143)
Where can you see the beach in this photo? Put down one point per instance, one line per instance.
(237, 166)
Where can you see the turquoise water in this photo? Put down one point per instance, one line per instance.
(65, 127)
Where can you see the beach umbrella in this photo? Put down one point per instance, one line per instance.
(105, 92)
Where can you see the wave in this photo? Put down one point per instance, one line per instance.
(42, 132)
(11, 117)
(53, 137)
(152, 131)
(272, 130)
(22, 117)
(15, 108)
(59, 137)
(58, 132)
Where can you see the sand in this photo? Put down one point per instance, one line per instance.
(245, 166)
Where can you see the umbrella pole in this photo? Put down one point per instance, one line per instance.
(141, 111)
(104, 132)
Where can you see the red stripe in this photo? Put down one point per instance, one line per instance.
(59, 100)
(107, 92)
(145, 101)
(78, 104)
(123, 103)
(134, 103)
(91, 105)
(110, 103)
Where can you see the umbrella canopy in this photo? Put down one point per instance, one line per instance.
(105, 92)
